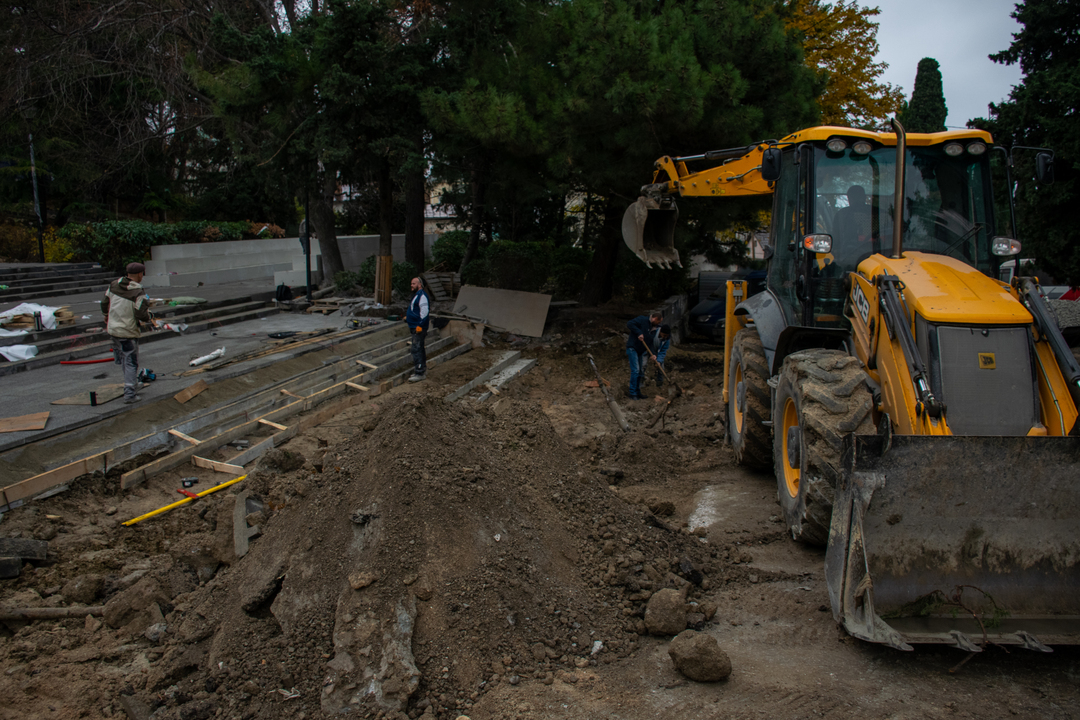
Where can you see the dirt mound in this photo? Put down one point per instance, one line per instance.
(442, 552)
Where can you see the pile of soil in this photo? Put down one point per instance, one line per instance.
(444, 551)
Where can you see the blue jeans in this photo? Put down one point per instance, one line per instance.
(419, 352)
(636, 364)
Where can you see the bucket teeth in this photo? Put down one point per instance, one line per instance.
(1030, 642)
(964, 642)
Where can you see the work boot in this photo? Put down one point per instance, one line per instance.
(416, 378)
(133, 399)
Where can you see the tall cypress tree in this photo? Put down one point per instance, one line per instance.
(926, 112)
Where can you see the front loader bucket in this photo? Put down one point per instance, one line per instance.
(958, 541)
(648, 229)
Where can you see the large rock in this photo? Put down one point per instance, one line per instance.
(124, 606)
(698, 656)
(84, 590)
(666, 613)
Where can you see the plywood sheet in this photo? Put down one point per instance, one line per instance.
(35, 421)
(190, 391)
(105, 393)
(514, 311)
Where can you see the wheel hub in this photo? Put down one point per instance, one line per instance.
(740, 396)
(794, 447)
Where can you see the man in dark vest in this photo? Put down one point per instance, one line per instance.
(638, 345)
(418, 318)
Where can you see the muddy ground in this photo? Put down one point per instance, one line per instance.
(430, 560)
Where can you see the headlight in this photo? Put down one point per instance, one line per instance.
(862, 147)
(836, 145)
(818, 243)
(976, 148)
(1003, 246)
(954, 149)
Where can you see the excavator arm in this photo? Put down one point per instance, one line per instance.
(649, 224)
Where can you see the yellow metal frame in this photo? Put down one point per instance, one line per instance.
(732, 324)
(742, 176)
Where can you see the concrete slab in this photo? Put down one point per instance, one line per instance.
(518, 312)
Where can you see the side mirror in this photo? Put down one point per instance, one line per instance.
(1044, 168)
(770, 164)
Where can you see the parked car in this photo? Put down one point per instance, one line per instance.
(707, 317)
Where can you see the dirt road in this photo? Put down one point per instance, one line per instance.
(425, 559)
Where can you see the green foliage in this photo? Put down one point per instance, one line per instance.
(1041, 112)
(116, 243)
(347, 281)
(449, 249)
(926, 112)
(529, 267)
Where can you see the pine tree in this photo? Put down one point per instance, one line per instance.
(926, 112)
(1041, 112)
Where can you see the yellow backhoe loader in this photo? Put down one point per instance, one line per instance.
(920, 415)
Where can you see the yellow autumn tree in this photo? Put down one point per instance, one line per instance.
(840, 40)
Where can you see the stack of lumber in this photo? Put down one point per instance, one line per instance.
(327, 305)
(443, 286)
(25, 321)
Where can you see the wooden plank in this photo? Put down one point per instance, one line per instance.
(133, 477)
(182, 436)
(105, 393)
(33, 421)
(258, 449)
(354, 386)
(215, 465)
(57, 476)
(367, 365)
(292, 394)
(190, 391)
(503, 362)
(272, 424)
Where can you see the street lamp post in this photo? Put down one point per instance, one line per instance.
(37, 205)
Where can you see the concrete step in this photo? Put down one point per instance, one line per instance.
(10, 273)
(33, 283)
(173, 314)
(94, 349)
(70, 338)
(16, 296)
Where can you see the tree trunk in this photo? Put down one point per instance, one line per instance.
(322, 219)
(476, 219)
(600, 280)
(414, 218)
(386, 210)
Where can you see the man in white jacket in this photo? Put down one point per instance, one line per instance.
(125, 305)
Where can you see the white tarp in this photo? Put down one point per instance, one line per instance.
(48, 317)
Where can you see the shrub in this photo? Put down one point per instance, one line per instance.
(346, 281)
(18, 243)
(449, 249)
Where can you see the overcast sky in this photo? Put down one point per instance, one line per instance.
(959, 34)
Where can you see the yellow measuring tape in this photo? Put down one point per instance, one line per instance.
(185, 501)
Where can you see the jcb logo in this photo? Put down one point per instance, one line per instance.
(861, 303)
(987, 361)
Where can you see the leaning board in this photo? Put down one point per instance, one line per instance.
(521, 313)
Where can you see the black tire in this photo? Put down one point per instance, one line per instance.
(821, 395)
(748, 402)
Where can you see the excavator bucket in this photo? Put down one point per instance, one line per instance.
(648, 229)
(958, 541)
